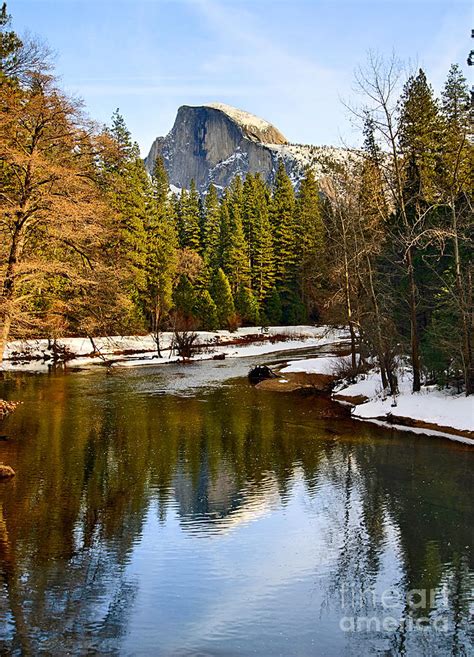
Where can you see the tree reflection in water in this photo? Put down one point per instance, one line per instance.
(96, 457)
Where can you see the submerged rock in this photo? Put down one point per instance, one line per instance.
(313, 383)
(6, 471)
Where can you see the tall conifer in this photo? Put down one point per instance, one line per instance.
(311, 240)
(282, 214)
(212, 229)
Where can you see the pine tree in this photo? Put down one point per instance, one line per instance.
(225, 233)
(419, 132)
(10, 47)
(249, 214)
(456, 105)
(205, 311)
(212, 229)
(457, 115)
(456, 293)
(264, 261)
(273, 308)
(236, 194)
(161, 186)
(310, 242)
(179, 203)
(247, 306)
(258, 234)
(222, 295)
(419, 139)
(184, 300)
(161, 255)
(235, 257)
(128, 184)
(190, 219)
(282, 215)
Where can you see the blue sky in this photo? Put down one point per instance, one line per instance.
(289, 61)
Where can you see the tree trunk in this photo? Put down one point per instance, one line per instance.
(347, 284)
(8, 288)
(157, 331)
(463, 306)
(375, 305)
(415, 349)
(347, 294)
(470, 331)
(5, 331)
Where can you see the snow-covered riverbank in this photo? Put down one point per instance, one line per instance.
(430, 411)
(132, 351)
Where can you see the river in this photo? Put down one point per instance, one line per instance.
(177, 511)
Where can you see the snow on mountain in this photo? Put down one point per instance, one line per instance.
(249, 122)
(323, 160)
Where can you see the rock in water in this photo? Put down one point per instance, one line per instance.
(6, 471)
(261, 373)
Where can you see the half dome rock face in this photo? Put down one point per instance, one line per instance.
(214, 143)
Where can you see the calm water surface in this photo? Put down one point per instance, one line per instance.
(174, 511)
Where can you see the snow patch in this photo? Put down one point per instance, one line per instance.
(432, 405)
(243, 118)
(418, 431)
(321, 365)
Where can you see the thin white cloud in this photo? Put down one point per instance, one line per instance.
(294, 88)
(187, 90)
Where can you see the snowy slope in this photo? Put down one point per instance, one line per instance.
(323, 160)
